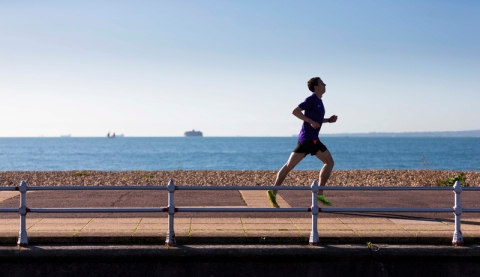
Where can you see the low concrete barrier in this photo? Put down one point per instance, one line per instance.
(247, 260)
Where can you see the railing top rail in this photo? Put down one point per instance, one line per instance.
(31, 188)
(9, 210)
(246, 209)
(306, 188)
(387, 188)
(233, 209)
(96, 210)
(385, 210)
(8, 188)
(241, 188)
(365, 188)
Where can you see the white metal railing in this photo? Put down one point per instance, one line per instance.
(171, 209)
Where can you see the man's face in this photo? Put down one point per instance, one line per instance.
(321, 87)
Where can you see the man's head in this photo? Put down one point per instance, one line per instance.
(316, 85)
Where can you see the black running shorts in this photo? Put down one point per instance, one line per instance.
(310, 147)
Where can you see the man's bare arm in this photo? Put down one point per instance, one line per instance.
(298, 113)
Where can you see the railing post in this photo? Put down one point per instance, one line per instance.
(22, 211)
(314, 240)
(457, 235)
(170, 241)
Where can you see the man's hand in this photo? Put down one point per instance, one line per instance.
(315, 125)
(333, 118)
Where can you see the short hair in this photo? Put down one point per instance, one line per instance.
(313, 82)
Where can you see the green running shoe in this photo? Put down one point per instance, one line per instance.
(324, 200)
(272, 198)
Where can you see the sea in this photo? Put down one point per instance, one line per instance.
(234, 153)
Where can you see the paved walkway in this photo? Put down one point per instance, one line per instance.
(213, 229)
(241, 230)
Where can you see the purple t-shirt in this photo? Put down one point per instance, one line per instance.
(314, 109)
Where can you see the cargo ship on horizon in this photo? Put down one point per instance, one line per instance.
(193, 133)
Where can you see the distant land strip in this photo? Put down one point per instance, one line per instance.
(471, 133)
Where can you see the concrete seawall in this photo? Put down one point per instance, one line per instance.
(241, 260)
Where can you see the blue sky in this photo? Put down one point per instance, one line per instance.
(236, 68)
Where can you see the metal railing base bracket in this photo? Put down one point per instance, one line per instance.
(457, 239)
(170, 241)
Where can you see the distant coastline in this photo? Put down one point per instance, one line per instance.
(471, 133)
(466, 134)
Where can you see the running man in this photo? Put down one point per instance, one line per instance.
(308, 141)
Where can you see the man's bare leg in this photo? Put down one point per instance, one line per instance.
(328, 163)
(293, 160)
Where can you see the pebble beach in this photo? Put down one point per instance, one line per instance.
(413, 178)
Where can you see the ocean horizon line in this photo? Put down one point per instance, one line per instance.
(466, 133)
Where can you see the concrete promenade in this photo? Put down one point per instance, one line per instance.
(224, 227)
(238, 244)
(237, 230)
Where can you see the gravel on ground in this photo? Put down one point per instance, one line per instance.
(231, 177)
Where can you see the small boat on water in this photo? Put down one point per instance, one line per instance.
(193, 133)
(114, 136)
